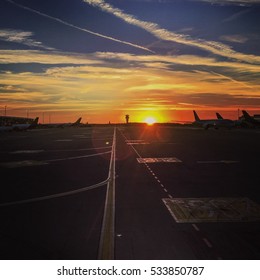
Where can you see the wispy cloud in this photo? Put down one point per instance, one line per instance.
(44, 57)
(238, 2)
(100, 82)
(77, 27)
(237, 15)
(213, 47)
(236, 38)
(21, 37)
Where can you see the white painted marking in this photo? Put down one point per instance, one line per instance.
(136, 142)
(79, 157)
(47, 197)
(207, 242)
(223, 209)
(27, 152)
(196, 227)
(165, 190)
(156, 160)
(130, 141)
(24, 163)
(141, 143)
(170, 196)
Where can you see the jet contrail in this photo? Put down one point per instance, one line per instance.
(79, 28)
(231, 79)
(163, 34)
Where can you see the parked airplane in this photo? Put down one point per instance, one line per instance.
(236, 123)
(20, 126)
(215, 123)
(62, 125)
(250, 120)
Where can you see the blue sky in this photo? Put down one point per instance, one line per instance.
(104, 59)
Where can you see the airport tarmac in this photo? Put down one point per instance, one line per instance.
(166, 193)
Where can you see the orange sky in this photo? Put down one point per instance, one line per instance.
(109, 85)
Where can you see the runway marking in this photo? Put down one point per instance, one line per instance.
(223, 209)
(78, 150)
(145, 161)
(207, 242)
(79, 157)
(141, 143)
(136, 142)
(156, 160)
(106, 243)
(195, 227)
(48, 197)
(23, 163)
(27, 152)
(51, 151)
(28, 163)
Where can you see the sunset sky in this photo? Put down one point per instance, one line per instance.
(103, 59)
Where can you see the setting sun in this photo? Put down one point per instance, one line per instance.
(150, 120)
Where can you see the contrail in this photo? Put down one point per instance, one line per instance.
(163, 34)
(79, 28)
(232, 80)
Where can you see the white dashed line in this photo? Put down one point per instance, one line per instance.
(196, 227)
(207, 242)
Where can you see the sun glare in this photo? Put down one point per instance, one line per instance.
(150, 120)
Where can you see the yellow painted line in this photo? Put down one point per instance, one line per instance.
(106, 243)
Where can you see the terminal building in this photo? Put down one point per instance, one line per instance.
(10, 120)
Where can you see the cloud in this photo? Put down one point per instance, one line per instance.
(236, 38)
(237, 15)
(78, 28)
(57, 62)
(237, 2)
(21, 37)
(213, 47)
(45, 57)
(100, 84)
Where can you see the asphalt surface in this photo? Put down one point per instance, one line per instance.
(214, 172)
(47, 162)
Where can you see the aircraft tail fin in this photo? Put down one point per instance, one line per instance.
(34, 123)
(196, 116)
(77, 122)
(219, 116)
(247, 116)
